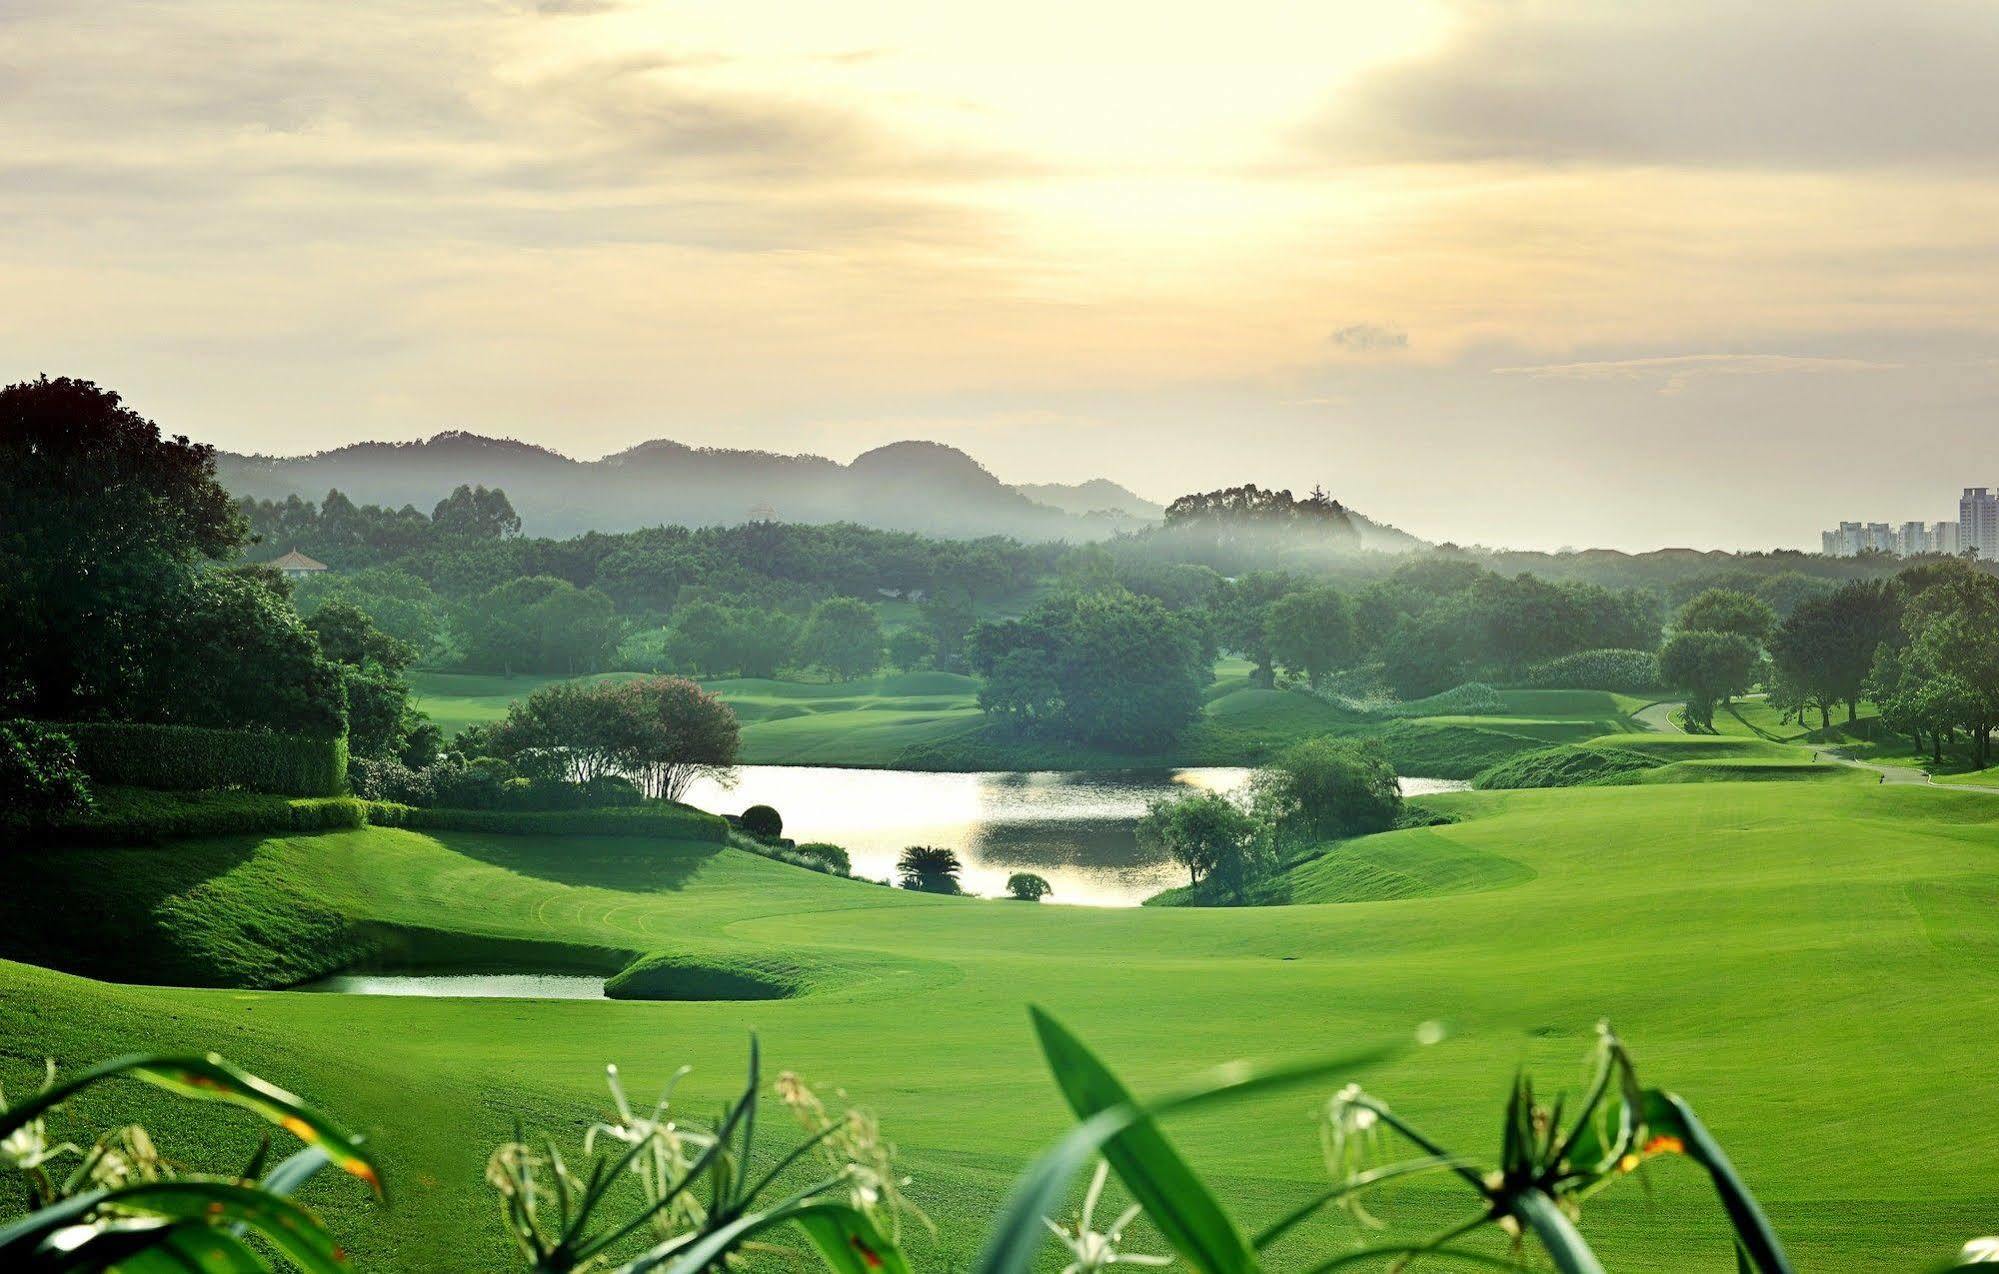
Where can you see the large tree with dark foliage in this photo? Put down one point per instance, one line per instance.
(1124, 671)
(1823, 652)
(1711, 668)
(106, 524)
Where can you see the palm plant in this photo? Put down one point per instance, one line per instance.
(120, 1204)
(699, 1200)
(930, 869)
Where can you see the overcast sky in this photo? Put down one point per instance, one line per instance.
(1536, 274)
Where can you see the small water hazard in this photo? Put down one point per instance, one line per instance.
(465, 986)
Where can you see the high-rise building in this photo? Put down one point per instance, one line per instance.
(1978, 522)
(1911, 539)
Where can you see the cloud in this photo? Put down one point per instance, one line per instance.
(1370, 338)
(1818, 84)
(1675, 372)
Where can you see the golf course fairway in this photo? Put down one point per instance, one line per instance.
(1812, 965)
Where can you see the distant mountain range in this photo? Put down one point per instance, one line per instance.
(906, 486)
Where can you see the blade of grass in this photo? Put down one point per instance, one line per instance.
(1017, 1235)
(1667, 1115)
(210, 1078)
(1565, 1247)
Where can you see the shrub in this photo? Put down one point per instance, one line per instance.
(40, 780)
(762, 820)
(1628, 671)
(833, 857)
(187, 758)
(654, 820)
(929, 869)
(1025, 886)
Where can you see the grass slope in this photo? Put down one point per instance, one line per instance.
(1808, 963)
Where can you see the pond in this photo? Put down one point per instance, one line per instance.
(504, 986)
(1073, 827)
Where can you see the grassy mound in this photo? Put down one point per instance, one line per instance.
(1567, 766)
(671, 976)
(1661, 759)
(1418, 863)
(1450, 749)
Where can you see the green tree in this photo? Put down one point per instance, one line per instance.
(912, 649)
(394, 600)
(1025, 886)
(1241, 620)
(1020, 689)
(1710, 668)
(929, 869)
(104, 525)
(701, 639)
(670, 732)
(239, 655)
(1311, 632)
(947, 618)
(539, 623)
(1213, 837)
(1125, 671)
(844, 637)
(765, 641)
(1727, 610)
(1823, 652)
(476, 513)
(348, 636)
(1327, 789)
(1953, 627)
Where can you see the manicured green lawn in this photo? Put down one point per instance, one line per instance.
(931, 720)
(1812, 964)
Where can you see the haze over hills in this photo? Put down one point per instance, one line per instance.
(918, 486)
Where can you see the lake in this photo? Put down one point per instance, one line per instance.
(1073, 827)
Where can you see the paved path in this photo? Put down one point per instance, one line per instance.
(1658, 717)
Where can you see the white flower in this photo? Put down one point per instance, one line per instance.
(1094, 1250)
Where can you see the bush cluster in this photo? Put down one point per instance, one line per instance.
(190, 758)
(1628, 671)
(40, 780)
(485, 783)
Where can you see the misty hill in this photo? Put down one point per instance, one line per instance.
(926, 487)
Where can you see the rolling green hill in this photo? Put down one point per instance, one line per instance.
(1807, 962)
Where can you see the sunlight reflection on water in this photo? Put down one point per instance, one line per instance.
(1074, 828)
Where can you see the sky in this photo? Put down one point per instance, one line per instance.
(1495, 271)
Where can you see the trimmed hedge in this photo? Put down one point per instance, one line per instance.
(1626, 671)
(666, 822)
(141, 816)
(189, 758)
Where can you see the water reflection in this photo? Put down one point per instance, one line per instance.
(1075, 828)
(506, 986)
